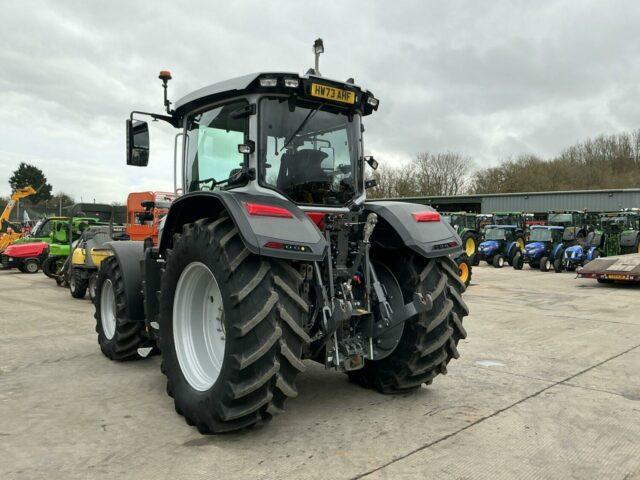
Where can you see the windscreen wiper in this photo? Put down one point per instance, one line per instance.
(304, 122)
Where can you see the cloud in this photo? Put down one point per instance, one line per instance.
(489, 79)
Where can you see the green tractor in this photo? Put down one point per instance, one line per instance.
(467, 226)
(619, 232)
(64, 234)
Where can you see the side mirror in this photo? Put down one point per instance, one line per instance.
(372, 162)
(137, 143)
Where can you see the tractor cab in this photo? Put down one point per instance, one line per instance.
(545, 245)
(294, 137)
(501, 242)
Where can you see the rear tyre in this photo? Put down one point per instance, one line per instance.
(118, 336)
(429, 340)
(470, 244)
(31, 265)
(77, 284)
(50, 266)
(247, 366)
(518, 261)
(545, 264)
(498, 261)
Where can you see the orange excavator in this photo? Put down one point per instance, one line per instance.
(9, 234)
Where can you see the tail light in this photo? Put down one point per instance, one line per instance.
(426, 216)
(317, 218)
(261, 210)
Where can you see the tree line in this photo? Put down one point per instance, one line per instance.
(43, 202)
(607, 161)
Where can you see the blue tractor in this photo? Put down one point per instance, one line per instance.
(544, 249)
(578, 256)
(501, 243)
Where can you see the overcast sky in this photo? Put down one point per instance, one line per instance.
(490, 79)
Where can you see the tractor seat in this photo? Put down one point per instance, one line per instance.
(301, 167)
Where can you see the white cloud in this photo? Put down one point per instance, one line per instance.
(490, 79)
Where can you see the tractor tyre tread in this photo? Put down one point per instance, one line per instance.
(264, 337)
(430, 339)
(81, 284)
(129, 334)
(50, 266)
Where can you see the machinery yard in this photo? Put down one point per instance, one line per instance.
(547, 385)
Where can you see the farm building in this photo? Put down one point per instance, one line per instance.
(535, 202)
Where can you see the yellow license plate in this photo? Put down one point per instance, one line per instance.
(617, 276)
(332, 93)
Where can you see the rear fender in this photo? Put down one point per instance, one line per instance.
(297, 238)
(511, 249)
(129, 255)
(397, 228)
(556, 250)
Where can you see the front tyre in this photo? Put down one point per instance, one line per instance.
(230, 323)
(545, 264)
(498, 261)
(77, 283)
(92, 286)
(464, 268)
(31, 265)
(50, 266)
(518, 261)
(118, 336)
(429, 340)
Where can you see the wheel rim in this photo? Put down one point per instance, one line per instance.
(463, 272)
(72, 284)
(32, 267)
(198, 326)
(108, 309)
(547, 265)
(501, 261)
(470, 246)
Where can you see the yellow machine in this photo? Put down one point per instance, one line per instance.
(87, 256)
(7, 238)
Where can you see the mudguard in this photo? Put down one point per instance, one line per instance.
(628, 238)
(397, 227)
(295, 238)
(555, 251)
(590, 253)
(129, 255)
(509, 251)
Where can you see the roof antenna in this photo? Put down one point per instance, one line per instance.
(165, 76)
(318, 48)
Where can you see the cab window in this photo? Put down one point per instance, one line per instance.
(212, 138)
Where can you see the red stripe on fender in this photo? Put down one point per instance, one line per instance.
(426, 216)
(261, 210)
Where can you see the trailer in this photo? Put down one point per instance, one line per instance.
(618, 269)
